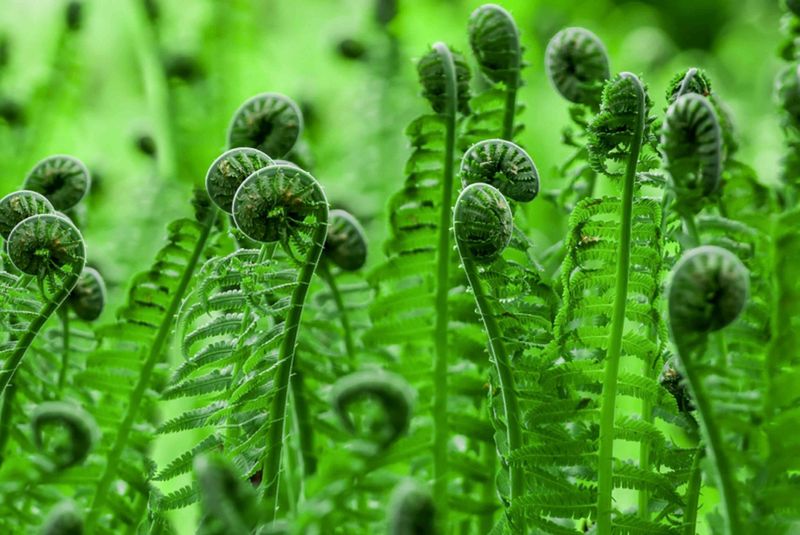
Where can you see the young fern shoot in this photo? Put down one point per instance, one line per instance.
(494, 38)
(624, 102)
(282, 203)
(445, 81)
(708, 291)
(483, 225)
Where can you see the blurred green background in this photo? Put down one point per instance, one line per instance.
(142, 92)
(167, 75)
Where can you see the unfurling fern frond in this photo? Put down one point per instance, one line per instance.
(390, 391)
(577, 65)
(691, 142)
(494, 38)
(63, 519)
(64, 180)
(269, 122)
(412, 510)
(501, 164)
(241, 330)
(708, 291)
(79, 425)
(50, 249)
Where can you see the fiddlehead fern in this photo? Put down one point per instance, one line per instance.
(435, 70)
(79, 425)
(613, 129)
(691, 142)
(391, 392)
(708, 291)
(228, 172)
(88, 297)
(483, 225)
(620, 126)
(64, 180)
(285, 204)
(346, 244)
(63, 519)
(412, 510)
(20, 205)
(504, 165)
(269, 122)
(576, 62)
(494, 38)
(50, 248)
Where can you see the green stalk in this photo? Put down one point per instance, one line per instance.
(508, 390)
(644, 447)
(286, 355)
(325, 273)
(441, 434)
(62, 374)
(693, 494)
(510, 109)
(23, 344)
(137, 396)
(721, 469)
(605, 482)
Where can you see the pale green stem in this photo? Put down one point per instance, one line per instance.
(721, 469)
(505, 376)
(693, 494)
(281, 384)
(605, 483)
(325, 273)
(62, 375)
(440, 391)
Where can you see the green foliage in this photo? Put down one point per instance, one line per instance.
(484, 371)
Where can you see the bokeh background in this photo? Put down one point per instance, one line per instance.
(142, 92)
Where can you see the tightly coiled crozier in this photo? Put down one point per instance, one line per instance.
(482, 222)
(64, 180)
(577, 65)
(346, 244)
(503, 165)
(269, 122)
(229, 170)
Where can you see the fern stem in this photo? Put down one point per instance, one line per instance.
(644, 447)
(605, 482)
(15, 359)
(62, 374)
(286, 356)
(325, 273)
(693, 494)
(137, 396)
(441, 431)
(508, 390)
(303, 424)
(721, 469)
(691, 231)
(509, 112)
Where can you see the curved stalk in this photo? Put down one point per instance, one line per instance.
(325, 273)
(286, 355)
(608, 400)
(505, 376)
(62, 374)
(693, 494)
(721, 469)
(441, 431)
(15, 359)
(137, 396)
